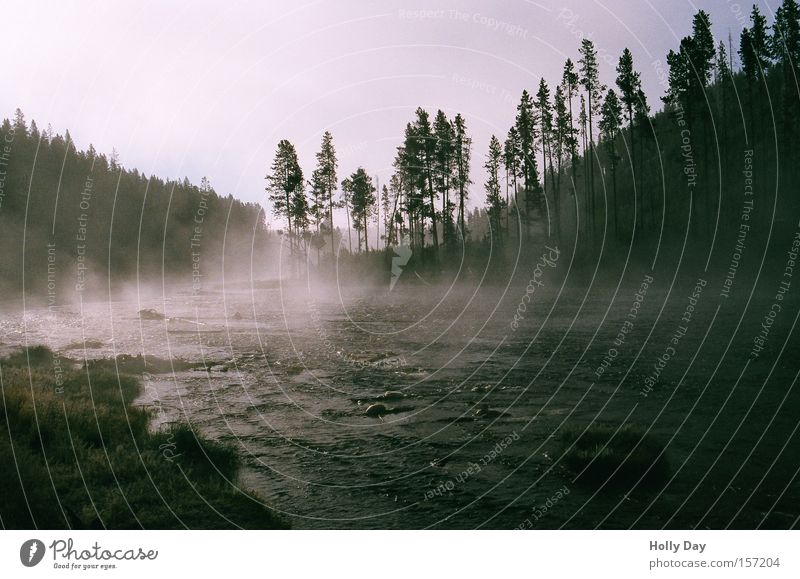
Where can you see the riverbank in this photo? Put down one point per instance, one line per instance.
(78, 454)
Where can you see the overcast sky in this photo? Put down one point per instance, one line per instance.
(209, 88)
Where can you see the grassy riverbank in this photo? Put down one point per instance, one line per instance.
(75, 453)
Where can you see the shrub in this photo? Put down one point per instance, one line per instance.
(614, 456)
(205, 456)
(35, 356)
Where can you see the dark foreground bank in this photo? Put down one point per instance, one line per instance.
(75, 453)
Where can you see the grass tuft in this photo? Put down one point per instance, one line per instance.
(615, 456)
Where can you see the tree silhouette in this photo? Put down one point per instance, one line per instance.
(569, 82)
(785, 49)
(463, 154)
(444, 169)
(361, 194)
(285, 186)
(526, 123)
(494, 201)
(610, 122)
(426, 147)
(565, 145)
(323, 184)
(630, 86)
(702, 49)
(545, 113)
(590, 79)
(512, 160)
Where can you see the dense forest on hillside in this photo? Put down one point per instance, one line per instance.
(586, 164)
(73, 221)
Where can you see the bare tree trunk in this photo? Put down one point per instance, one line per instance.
(461, 212)
(614, 181)
(349, 232)
(433, 207)
(591, 169)
(330, 216)
(366, 232)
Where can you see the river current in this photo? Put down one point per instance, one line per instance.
(475, 391)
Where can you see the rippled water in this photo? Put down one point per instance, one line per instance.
(474, 439)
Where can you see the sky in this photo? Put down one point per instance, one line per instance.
(204, 88)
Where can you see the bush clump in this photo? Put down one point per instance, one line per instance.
(615, 456)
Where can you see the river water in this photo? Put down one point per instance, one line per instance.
(477, 398)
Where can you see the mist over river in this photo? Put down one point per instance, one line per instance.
(478, 383)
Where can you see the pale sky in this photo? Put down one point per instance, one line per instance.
(209, 88)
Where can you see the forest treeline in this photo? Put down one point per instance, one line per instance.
(586, 163)
(73, 221)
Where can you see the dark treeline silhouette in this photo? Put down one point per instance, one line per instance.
(73, 220)
(612, 173)
(586, 164)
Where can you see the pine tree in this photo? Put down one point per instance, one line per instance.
(641, 117)
(569, 81)
(759, 38)
(703, 49)
(747, 55)
(566, 142)
(723, 78)
(785, 39)
(590, 79)
(395, 219)
(346, 197)
(463, 153)
(693, 66)
(444, 170)
(722, 70)
(300, 211)
(361, 192)
(113, 161)
(386, 212)
(410, 164)
(678, 81)
(750, 68)
(610, 122)
(583, 120)
(630, 85)
(526, 123)
(426, 146)
(545, 114)
(20, 128)
(323, 184)
(284, 183)
(494, 201)
(513, 163)
(785, 49)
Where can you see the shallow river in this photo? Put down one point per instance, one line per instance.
(477, 400)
